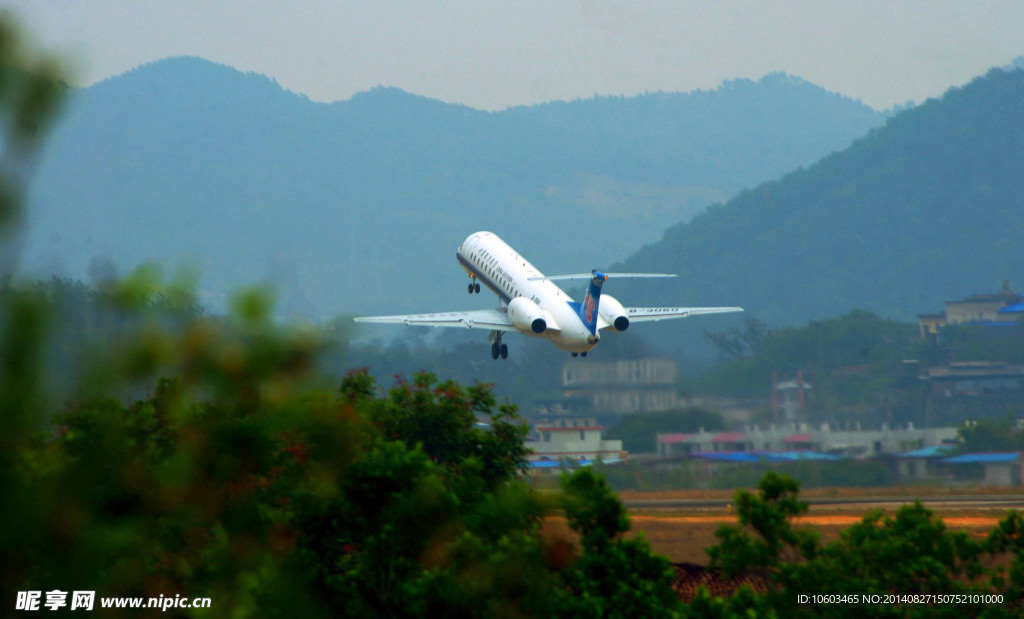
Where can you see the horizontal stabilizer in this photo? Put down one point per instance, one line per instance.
(643, 314)
(552, 278)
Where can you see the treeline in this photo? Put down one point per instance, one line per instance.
(639, 432)
(905, 565)
(856, 364)
(862, 368)
(93, 322)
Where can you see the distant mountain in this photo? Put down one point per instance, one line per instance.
(357, 206)
(928, 208)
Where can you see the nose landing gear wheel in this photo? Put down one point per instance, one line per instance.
(476, 287)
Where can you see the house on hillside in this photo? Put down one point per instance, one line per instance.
(1001, 308)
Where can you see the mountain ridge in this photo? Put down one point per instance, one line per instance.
(921, 210)
(188, 162)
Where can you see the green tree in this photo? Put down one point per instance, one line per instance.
(615, 576)
(991, 434)
(910, 553)
(771, 539)
(639, 432)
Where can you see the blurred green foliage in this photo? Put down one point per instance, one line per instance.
(909, 553)
(242, 477)
(148, 449)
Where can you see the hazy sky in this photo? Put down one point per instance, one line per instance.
(492, 55)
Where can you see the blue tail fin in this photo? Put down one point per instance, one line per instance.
(588, 310)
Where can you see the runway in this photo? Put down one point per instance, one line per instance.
(938, 502)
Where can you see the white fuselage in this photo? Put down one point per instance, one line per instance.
(500, 268)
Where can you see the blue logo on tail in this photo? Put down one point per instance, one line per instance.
(588, 310)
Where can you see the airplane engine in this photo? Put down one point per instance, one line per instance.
(526, 315)
(612, 311)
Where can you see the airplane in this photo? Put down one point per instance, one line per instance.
(532, 304)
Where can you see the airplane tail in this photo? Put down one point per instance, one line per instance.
(588, 310)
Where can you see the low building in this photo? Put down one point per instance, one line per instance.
(796, 437)
(997, 468)
(573, 440)
(974, 378)
(920, 464)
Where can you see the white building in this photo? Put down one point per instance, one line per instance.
(616, 387)
(573, 439)
(850, 442)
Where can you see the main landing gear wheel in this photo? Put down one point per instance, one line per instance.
(474, 286)
(498, 349)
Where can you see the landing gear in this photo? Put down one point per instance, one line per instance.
(579, 354)
(498, 349)
(474, 286)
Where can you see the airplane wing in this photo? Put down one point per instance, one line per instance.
(643, 314)
(494, 319)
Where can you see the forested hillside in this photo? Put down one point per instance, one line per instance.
(928, 208)
(188, 162)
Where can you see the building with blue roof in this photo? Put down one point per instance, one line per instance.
(987, 309)
(997, 468)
